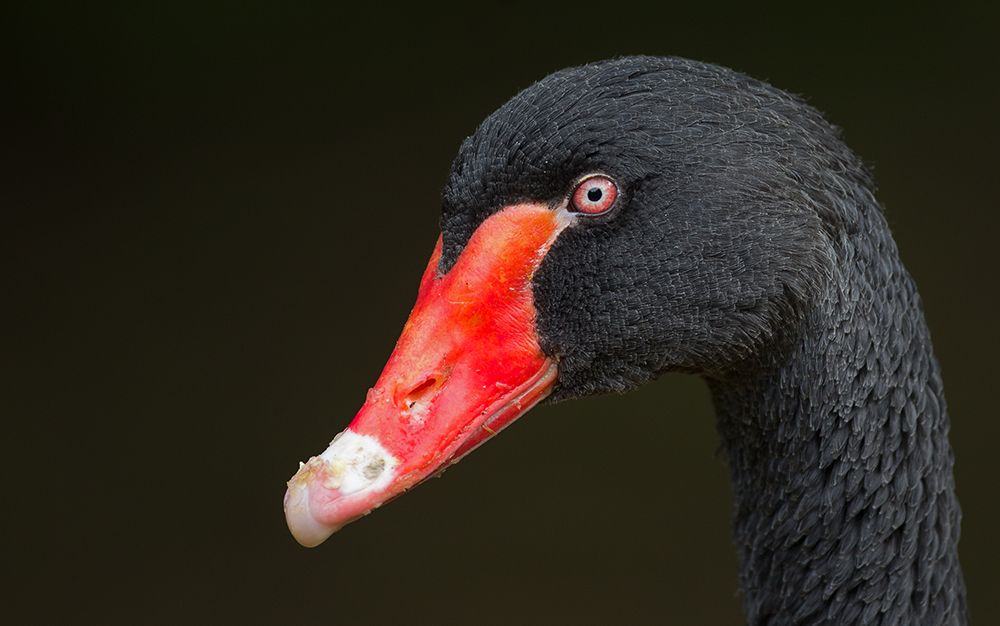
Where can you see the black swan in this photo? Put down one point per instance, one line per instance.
(646, 215)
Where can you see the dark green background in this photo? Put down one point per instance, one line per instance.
(214, 221)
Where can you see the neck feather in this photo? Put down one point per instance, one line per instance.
(845, 510)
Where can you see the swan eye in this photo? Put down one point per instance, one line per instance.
(594, 195)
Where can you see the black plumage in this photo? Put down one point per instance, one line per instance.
(746, 247)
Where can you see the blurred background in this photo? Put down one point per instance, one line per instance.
(214, 220)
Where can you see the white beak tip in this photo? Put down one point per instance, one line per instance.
(306, 529)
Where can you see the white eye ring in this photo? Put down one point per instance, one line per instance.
(594, 195)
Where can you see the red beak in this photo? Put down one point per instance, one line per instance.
(467, 364)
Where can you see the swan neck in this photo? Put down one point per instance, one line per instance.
(840, 463)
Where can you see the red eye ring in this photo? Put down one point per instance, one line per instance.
(594, 195)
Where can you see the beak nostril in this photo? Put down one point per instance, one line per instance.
(421, 394)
